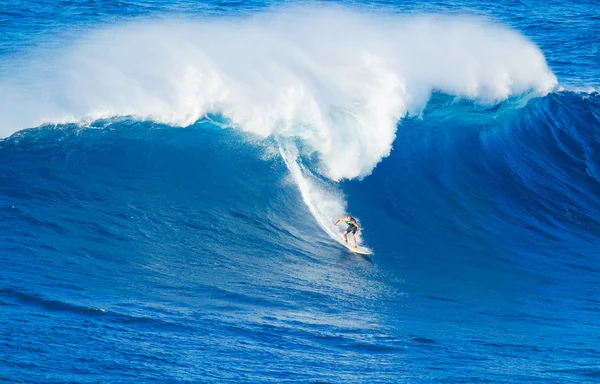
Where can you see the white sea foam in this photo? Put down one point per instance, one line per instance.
(336, 79)
(323, 201)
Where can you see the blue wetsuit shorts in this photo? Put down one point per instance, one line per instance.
(351, 229)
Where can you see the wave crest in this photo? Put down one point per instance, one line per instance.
(336, 79)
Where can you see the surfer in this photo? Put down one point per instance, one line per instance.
(352, 227)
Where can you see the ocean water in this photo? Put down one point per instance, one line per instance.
(170, 170)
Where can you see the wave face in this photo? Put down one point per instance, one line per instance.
(135, 250)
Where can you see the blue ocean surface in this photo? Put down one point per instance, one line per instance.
(170, 172)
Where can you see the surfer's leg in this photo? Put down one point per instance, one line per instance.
(354, 237)
(346, 237)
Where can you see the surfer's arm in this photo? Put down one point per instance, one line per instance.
(357, 227)
(337, 221)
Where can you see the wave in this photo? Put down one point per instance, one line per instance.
(56, 305)
(17, 297)
(490, 184)
(336, 79)
(467, 192)
(329, 84)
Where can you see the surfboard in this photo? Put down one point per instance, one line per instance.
(360, 250)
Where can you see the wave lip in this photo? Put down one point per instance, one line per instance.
(336, 79)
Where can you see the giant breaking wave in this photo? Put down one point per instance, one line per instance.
(336, 79)
(329, 83)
